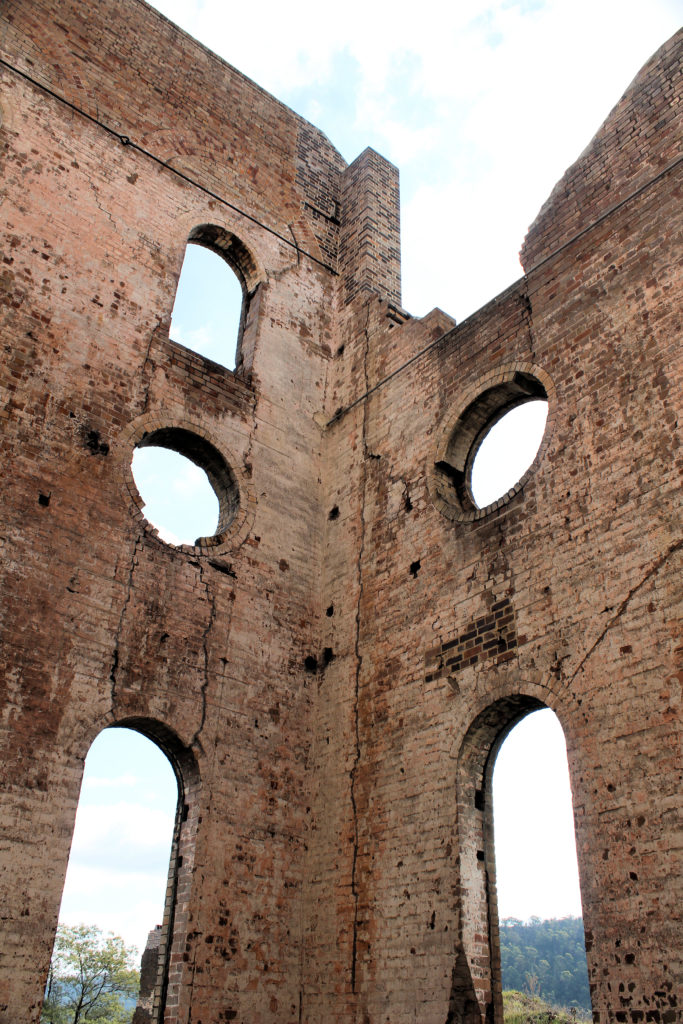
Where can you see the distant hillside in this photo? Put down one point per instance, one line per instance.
(547, 959)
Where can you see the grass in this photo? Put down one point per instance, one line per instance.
(521, 1008)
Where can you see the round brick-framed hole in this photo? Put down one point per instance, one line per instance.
(231, 486)
(482, 406)
(204, 455)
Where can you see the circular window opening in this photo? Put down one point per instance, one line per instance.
(189, 492)
(488, 456)
(506, 451)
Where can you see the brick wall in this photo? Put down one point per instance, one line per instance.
(332, 676)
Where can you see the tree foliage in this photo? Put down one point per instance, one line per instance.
(91, 978)
(547, 959)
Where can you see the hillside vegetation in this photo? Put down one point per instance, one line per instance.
(546, 959)
(521, 1008)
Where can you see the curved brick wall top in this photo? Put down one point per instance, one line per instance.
(237, 139)
(622, 157)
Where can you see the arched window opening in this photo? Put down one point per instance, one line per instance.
(208, 306)
(214, 300)
(118, 879)
(189, 492)
(489, 870)
(542, 946)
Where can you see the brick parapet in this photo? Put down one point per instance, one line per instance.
(89, 63)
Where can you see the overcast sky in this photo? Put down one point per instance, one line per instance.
(482, 105)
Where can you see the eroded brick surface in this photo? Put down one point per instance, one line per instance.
(330, 677)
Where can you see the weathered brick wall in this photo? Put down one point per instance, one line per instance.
(370, 244)
(103, 623)
(639, 140)
(583, 569)
(332, 679)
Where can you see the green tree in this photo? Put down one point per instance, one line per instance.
(552, 953)
(91, 978)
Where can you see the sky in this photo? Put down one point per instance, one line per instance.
(482, 105)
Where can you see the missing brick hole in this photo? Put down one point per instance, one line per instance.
(311, 663)
(330, 611)
(44, 500)
(94, 445)
(334, 513)
(480, 855)
(407, 504)
(328, 656)
(479, 799)
(223, 567)
(415, 568)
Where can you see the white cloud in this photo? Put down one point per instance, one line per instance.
(118, 868)
(121, 830)
(115, 782)
(127, 904)
(536, 865)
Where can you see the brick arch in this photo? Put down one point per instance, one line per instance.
(232, 249)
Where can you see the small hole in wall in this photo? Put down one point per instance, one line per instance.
(330, 611)
(479, 799)
(311, 663)
(480, 855)
(415, 568)
(44, 500)
(334, 512)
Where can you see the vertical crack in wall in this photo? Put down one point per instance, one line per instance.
(205, 649)
(128, 588)
(359, 660)
(148, 366)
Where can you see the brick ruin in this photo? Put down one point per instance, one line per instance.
(307, 669)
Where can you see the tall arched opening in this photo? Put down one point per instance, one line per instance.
(215, 303)
(477, 979)
(133, 849)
